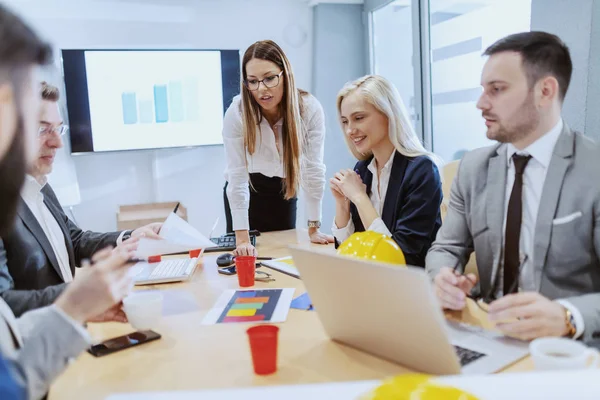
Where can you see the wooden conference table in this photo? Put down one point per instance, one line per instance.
(192, 356)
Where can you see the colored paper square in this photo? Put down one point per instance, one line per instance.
(246, 306)
(249, 293)
(254, 318)
(252, 300)
(241, 313)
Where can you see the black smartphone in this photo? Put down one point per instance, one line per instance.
(122, 342)
(228, 270)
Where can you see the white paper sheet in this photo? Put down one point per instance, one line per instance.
(555, 385)
(177, 236)
(279, 314)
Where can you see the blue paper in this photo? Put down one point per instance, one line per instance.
(302, 302)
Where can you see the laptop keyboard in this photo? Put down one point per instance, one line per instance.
(173, 268)
(467, 356)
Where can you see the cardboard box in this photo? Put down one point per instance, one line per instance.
(137, 215)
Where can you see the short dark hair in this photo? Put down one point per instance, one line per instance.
(50, 92)
(543, 54)
(19, 44)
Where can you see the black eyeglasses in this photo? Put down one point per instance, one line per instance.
(269, 82)
(483, 301)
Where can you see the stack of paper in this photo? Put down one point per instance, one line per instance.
(177, 236)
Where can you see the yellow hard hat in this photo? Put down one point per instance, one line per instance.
(372, 246)
(415, 387)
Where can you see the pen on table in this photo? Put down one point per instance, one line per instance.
(88, 263)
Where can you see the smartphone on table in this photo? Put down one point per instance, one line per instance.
(123, 342)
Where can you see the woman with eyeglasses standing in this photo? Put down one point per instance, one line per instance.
(274, 135)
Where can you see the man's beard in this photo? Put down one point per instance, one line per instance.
(12, 176)
(522, 124)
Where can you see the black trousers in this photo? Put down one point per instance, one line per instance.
(269, 211)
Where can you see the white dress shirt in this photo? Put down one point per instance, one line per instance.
(268, 161)
(379, 187)
(534, 177)
(34, 198)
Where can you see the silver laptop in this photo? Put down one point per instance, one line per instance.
(171, 270)
(392, 312)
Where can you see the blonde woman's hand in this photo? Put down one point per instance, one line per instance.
(351, 185)
(337, 193)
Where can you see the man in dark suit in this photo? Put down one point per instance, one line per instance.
(38, 257)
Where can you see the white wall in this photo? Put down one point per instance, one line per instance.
(192, 176)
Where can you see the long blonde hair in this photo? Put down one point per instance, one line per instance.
(291, 108)
(384, 96)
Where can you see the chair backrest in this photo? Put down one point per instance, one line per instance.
(448, 173)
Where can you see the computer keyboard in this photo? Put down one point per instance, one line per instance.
(467, 356)
(172, 268)
(226, 243)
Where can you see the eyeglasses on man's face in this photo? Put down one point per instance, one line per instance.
(46, 129)
(269, 82)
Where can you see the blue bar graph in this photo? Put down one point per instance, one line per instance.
(192, 99)
(176, 101)
(129, 104)
(161, 104)
(146, 111)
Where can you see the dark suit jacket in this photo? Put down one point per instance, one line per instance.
(411, 210)
(30, 276)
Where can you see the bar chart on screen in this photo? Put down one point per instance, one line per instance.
(155, 99)
(175, 101)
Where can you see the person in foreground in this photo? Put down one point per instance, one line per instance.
(39, 256)
(529, 206)
(395, 188)
(274, 135)
(38, 346)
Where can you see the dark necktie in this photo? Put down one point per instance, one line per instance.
(512, 234)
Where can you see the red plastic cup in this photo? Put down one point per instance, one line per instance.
(263, 346)
(245, 267)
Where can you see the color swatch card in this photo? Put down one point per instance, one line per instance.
(253, 305)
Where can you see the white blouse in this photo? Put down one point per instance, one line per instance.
(379, 187)
(267, 160)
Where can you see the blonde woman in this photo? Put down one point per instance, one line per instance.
(274, 135)
(395, 188)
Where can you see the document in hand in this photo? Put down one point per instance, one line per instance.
(177, 236)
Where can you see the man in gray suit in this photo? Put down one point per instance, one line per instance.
(39, 256)
(39, 345)
(529, 206)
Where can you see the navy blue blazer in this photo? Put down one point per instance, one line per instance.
(411, 210)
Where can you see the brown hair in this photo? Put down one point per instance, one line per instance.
(290, 108)
(543, 54)
(50, 92)
(19, 44)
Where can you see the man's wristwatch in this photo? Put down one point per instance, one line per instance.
(314, 224)
(570, 323)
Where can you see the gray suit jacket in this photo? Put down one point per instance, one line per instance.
(40, 344)
(566, 255)
(30, 276)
